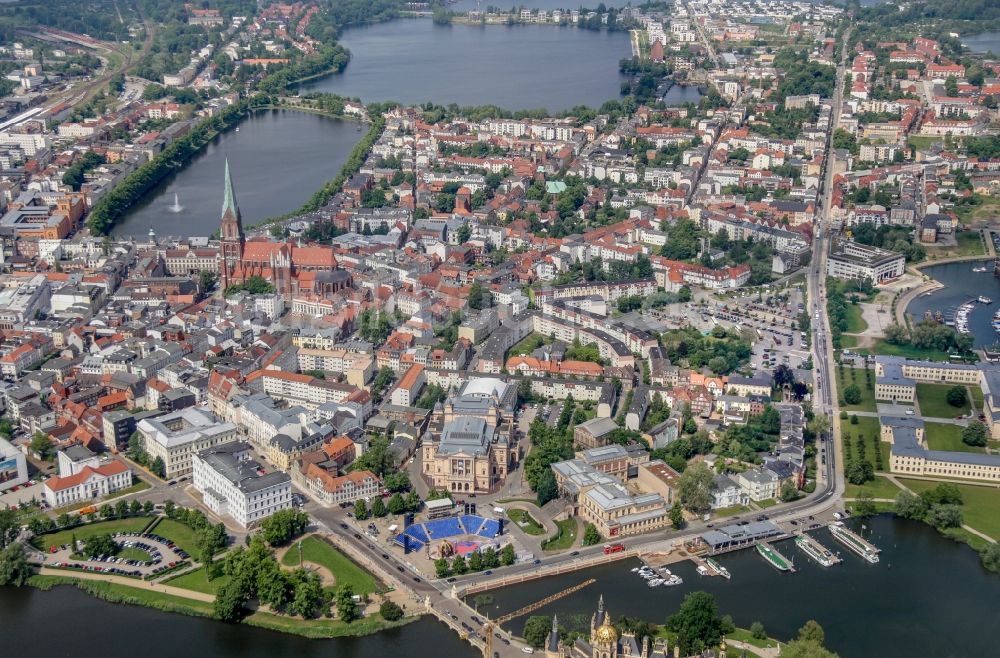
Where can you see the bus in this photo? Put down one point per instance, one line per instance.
(613, 548)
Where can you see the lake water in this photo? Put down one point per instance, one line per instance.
(961, 285)
(278, 159)
(983, 43)
(515, 67)
(928, 596)
(68, 622)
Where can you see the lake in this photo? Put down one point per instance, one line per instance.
(961, 285)
(278, 159)
(516, 67)
(68, 622)
(983, 43)
(928, 596)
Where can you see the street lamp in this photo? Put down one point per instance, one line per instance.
(300, 554)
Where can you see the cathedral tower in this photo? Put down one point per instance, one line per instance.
(232, 231)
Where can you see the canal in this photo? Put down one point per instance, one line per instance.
(515, 67)
(279, 158)
(927, 596)
(68, 622)
(961, 285)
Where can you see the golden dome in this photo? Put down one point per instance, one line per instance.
(606, 633)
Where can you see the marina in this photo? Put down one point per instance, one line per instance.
(816, 550)
(774, 558)
(854, 541)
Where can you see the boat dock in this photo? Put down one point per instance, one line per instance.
(816, 550)
(854, 541)
(774, 558)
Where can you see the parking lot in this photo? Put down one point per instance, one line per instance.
(163, 555)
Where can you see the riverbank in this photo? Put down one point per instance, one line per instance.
(196, 604)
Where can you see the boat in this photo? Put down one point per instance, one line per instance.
(719, 569)
(655, 582)
(774, 558)
(854, 542)
(673, 581)
(983, 299)
(635, 569)
(237, 128)
(703, 570)
(979, 269)
(665, 571)
(816, 550)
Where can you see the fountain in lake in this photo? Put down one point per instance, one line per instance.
(177, 207)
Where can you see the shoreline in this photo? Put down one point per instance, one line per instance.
(125, 595)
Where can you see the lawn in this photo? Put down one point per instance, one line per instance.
(933, 402)
(880, 487)
(87, 530)
(345, 572)
(970, 243)
(723, 512)
(855, 324)
(563, 539)
(848, 342)
(134, 554)
(943, 436)
(856, 376)
(882, 346)
(868, 428)
(198, 581)
(980, 504)
(977, 396)
(525, 522)
(529, 344)
(185, 538)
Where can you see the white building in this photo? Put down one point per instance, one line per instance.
(852, 260)
(88, 484)
(13, 467)
(231, 484)
(177, 436)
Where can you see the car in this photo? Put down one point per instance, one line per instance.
(357, 536)
(399, 569)
(527, 650)
(344, 526)
(451, 580)
(537, 561)
(384, 556)
(476, 620)
(416, 580)
(574, 553)
(488, 572)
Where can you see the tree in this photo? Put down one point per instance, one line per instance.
(676, 516)
(158, 468)
(859, 472)
(507, 555)
(273, 586)
(459, 566)
(974, 434)
(591, 536)
(41, 445)
(864, 506)
(944, 516)
(360, 510)
(347, 608)
(757, 631)
(852, 394)
(441, 568)
(476, 561)
(390, 611)
(479, 297)
(309, 596)
(957, 396)
(910, 506)
(990, 556)
(695, 487)
(378, 508)
(801, 649)
(697, 623)
(536, 630)
(789, 492)
(284, 525)
(229, 600)
(10, 527)
(15, 570)
(101, 544)
(396, 504)
(811, 631)
(546, 487)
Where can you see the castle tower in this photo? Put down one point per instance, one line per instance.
(552, 646)
(233, 239)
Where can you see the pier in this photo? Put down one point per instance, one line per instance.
(854, 541)
(816, 550)
(774, 558)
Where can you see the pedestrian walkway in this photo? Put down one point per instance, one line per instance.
(130, 582)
